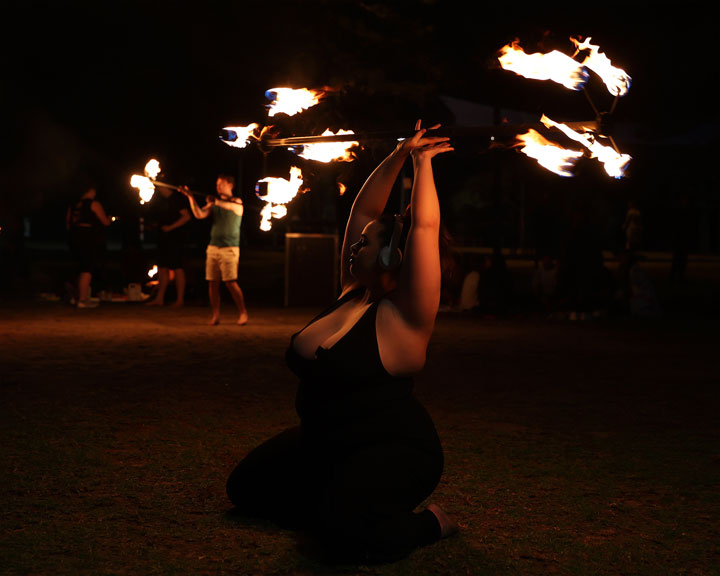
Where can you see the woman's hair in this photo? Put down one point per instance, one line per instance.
(445, 240)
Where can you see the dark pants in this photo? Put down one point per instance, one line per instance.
(360, 502)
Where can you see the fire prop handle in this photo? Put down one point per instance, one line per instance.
(495, 132)
(193, 192)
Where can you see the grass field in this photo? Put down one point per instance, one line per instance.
(571, 447)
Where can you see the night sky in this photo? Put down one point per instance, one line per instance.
(94, 89)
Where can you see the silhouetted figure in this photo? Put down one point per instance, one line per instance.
(682, 232)
(172, 214)
(86, 222)
(633, 227)
(496, 288)
(584, 284)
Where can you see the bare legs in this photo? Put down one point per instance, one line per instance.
(163, 281)
(84, 286)
(237, 296)
(239, 300)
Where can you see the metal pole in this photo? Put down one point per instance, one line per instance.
(500, 131)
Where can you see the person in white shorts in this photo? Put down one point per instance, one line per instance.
(223, 251)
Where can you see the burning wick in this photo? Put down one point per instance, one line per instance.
(239, 136)
(329, 151)
(616, 80)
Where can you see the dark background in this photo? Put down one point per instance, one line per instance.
(92, 90)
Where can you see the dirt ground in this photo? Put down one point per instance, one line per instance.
(571, 447)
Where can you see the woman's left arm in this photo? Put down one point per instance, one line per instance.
(418, 291)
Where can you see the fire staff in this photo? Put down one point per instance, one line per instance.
(366, 452)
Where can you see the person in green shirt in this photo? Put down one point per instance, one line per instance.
(223, 251)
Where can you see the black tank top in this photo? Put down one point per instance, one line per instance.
(83, 216)
(345, 395)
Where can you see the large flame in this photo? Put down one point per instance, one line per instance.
(551, 156)
(554, 66)
(152, 168)
(279, 193)
(616, 79)
(330, 151)
(145, 187)
(614, 162)
(239, 136)
(144, 184)
(290, 101)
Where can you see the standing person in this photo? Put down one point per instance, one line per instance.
(633, 226)
(85, 222)
(172, 216)
(366, 452)
(223, 251)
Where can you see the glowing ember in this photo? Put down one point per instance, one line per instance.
(554, 66)
(613, 162)
(145, 187)
(330, 151)
(551, 156)
(279, 193)
(153, 271)
(239, 136)
(341, 188)
(291, 101)
(616, 79)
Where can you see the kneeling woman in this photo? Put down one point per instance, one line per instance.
(366, 452)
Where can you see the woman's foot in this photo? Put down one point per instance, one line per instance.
(448, 526)
(242, 320)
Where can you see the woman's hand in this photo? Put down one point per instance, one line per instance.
(420, 142)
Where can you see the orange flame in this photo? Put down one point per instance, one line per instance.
(617, 80)
(291, 101)
(242, 135)
(279, 193)
(554, 66)
(614, 162)
(330, 151)
(551, 156)
(144, 184)
(153, 271)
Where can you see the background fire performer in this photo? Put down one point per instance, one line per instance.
(223, 251)
(86, 222)
(366, 452)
